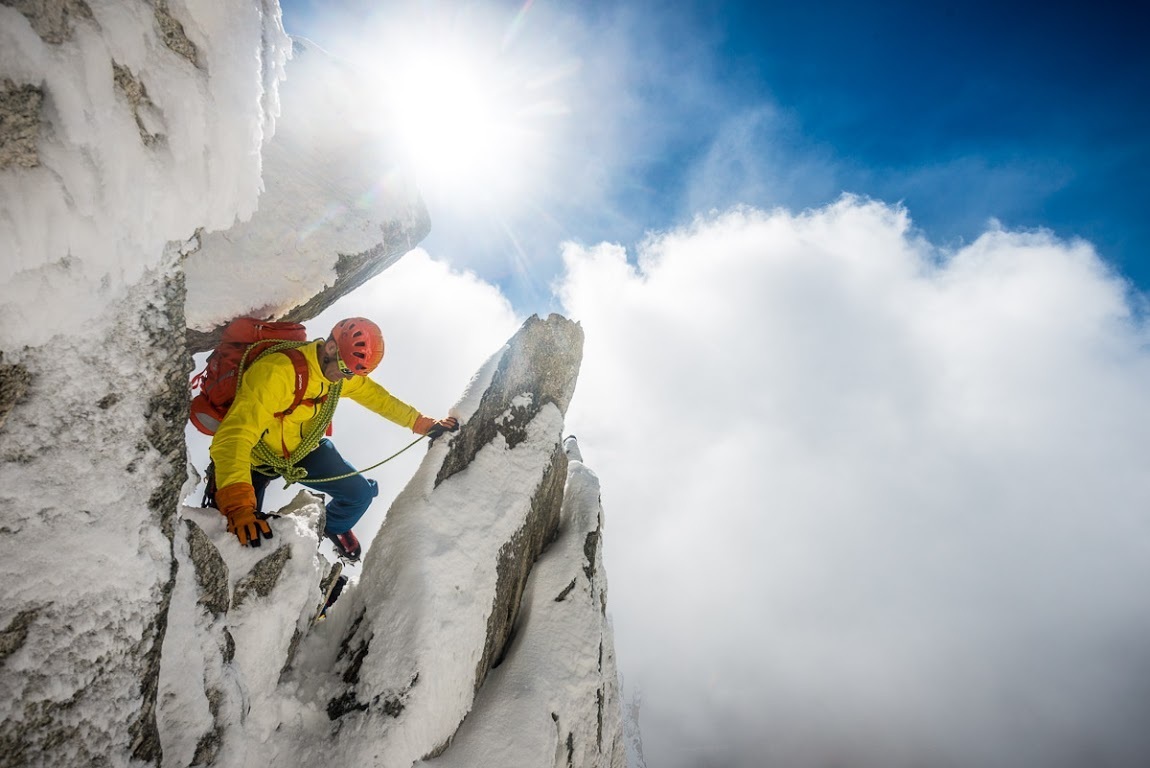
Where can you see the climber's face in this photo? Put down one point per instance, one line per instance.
(334, 368)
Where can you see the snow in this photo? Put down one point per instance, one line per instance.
(333, 185)
(554, 663)
(86, 223)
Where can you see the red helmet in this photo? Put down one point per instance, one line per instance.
(360, 344)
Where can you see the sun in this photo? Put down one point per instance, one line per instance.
(470, 126)
(452, 121)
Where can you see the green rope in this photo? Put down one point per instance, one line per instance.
(273, 348)
(274, 472)
(286, 467)
(368, 469)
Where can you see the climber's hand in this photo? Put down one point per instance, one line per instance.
(450, 424)
(248, 528)
(425, 425)
(237, 502)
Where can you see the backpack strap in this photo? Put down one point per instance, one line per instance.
(301, 377)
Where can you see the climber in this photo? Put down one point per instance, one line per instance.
(262, 436)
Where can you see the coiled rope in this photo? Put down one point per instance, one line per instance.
(286, 467)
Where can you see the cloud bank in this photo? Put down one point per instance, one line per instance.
(867, 503)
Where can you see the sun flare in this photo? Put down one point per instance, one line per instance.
(467, 122)
(452, 121)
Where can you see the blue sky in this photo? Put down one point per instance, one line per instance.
(963, 113)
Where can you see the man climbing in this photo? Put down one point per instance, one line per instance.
(263, 436)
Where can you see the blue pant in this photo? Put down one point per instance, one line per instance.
(349, 498)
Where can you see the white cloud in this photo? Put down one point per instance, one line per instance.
(866, 502)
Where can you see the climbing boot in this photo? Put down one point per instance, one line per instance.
(346, 545)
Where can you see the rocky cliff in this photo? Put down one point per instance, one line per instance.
(110, 138)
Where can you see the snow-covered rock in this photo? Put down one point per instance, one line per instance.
(554, 698)
(481, 604)
(90, 469)
(237, 617)
(114, 148)
(336, 208)
(439, 603)
(146, 120)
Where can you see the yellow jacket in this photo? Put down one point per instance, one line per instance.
(269, 388)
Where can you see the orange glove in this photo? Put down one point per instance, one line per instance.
(425, 425)
(237, 502)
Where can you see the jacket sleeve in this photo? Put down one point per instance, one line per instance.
(267, 389)
(374, 397)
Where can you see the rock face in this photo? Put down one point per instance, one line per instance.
(52, 19)
(104, 108)
(82, 657)
(562, 628)
(110, 134)
(235, 620)
(14, 382)
(539, 368)
(507, 465)
(333, 193)
(19, 124)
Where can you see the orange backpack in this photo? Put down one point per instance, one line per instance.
(244, 341)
